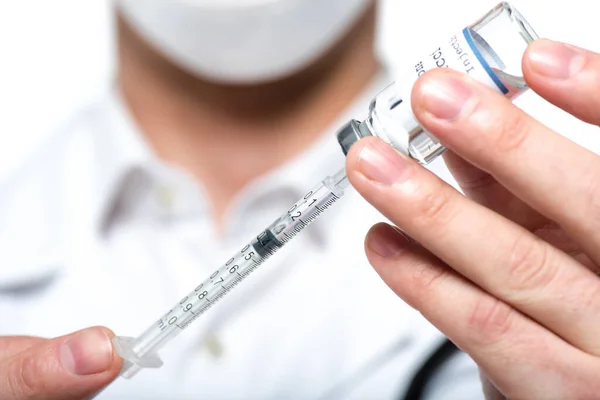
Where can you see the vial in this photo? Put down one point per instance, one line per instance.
(490, 51)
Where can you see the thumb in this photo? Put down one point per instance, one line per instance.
(71, 367)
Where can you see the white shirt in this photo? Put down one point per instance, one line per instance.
(95, 230)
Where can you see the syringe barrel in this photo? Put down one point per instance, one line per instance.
(490, 50)
(142, 352)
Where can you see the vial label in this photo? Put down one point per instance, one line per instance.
(393, 119)
(466, 52)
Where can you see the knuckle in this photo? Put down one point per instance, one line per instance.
(512, 131)
(479, 184)
(425, 278)
(30, 374)
(491, 320)
(430, 276)
(591, 209)
(21, 381)
(528, 265)
(433, 208)
(12, 387)
(588, 84)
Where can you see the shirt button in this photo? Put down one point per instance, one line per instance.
(166, 198)
(214, 346)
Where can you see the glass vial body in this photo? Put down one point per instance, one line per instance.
(490, 51)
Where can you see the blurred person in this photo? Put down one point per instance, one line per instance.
(222, 116)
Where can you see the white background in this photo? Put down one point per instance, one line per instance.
(55, 55)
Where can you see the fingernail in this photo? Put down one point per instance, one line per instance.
(387, 241)
(380, 163)
(88, 352)
(556, 60)
(445, 97)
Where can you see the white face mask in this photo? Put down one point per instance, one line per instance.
(242, 41)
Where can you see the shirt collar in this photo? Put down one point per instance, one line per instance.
(124, 160)
(325, 157)
(305, 171)
(120, 153)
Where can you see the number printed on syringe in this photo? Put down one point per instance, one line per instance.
(238, 267)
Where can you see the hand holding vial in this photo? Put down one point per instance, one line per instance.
(508, 273)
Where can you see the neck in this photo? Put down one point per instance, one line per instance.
(227, 135)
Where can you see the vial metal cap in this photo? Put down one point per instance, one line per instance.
(351, 133)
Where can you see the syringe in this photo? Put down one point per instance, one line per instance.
(489, 51)
(142, 352)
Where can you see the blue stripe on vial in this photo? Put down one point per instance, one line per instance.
(396, 104)
(483, 62)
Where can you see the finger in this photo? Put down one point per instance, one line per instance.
(547, 171)
(523, 359)
(66, 368)
(565, 75)
(497, 255)
(11, 345)
(490, 391)
(483, 188)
